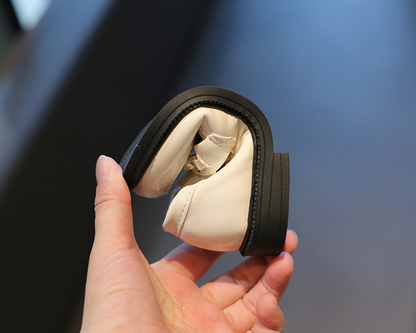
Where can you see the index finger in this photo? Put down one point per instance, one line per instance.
(187, 260)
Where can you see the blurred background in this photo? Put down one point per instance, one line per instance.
(337, 81)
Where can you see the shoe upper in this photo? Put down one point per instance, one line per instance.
(211, 208)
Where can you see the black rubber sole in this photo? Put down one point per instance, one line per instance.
(269, 203)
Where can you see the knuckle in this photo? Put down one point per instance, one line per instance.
(108, 196)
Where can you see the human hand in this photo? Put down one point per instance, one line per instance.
(126, 294)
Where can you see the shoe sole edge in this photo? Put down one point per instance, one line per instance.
(270, 179)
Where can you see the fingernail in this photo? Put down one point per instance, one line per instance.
(283, 254)
(101, 169)
(275, 299)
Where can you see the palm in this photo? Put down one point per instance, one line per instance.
(226, 304)
(188, 308)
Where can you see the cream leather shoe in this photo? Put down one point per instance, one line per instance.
(235, 194)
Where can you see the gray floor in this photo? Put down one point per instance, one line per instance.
(337, 80)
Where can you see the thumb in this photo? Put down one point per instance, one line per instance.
(119, 290)
(113, 220)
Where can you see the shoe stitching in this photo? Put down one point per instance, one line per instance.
(185, 210)
(222, 141)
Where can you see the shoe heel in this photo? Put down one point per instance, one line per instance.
(269, 226)
(279, 208)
